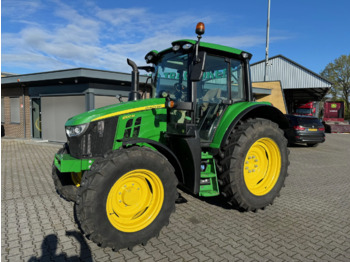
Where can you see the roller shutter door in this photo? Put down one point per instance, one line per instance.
(55, 111)
(101, 101)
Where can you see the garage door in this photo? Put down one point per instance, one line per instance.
(55, 111)
(101, 101)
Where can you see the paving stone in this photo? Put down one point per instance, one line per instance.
(16, 257)
(185, 255)
(13, 251)
(127, 254)
(309, 222)
(28, 252)
(156, 255)
(171, 255)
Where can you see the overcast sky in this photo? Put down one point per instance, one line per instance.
(45, 35)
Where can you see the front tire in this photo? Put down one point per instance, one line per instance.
(66, 184)
(253, 164)
(126, 198)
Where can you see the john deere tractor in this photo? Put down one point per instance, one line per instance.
(201, 130)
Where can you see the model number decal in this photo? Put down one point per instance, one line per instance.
(154, 106)
(129, 116)
(127, 111)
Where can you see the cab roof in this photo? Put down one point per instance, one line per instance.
(205, 45)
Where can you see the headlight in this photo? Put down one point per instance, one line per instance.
(176, 48)
(151, 57)
(187, 46)
(75, 130)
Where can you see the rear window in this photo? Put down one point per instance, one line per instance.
(303, 111)
(306, 121)
(303, 120)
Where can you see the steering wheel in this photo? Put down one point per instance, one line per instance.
(180, 90)
(179, 87)
(163, 94)
(216, 100)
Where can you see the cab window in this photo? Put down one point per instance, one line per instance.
(237, 90)
(212, 90)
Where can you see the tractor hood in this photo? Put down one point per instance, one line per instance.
(116, 110)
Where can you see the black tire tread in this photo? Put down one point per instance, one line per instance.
(63, 184)
(87, 192)
(231, 152)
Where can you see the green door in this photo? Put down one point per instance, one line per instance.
(36, 117)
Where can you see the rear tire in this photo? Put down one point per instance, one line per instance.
(126, 198)
(66, 184)
(253, 164)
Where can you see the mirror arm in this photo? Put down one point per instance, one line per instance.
(197, 60)
(147, 68)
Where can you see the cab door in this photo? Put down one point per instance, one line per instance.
(221, 85)
(212, 92)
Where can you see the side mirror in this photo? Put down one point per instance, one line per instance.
(197, 67)
(119, 97)
(147, 68)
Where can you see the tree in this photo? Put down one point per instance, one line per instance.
(338, 72)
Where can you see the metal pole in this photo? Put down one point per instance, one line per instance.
(24, 114)
(267, 41)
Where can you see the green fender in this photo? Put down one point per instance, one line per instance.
(161, 148)
(244, 110)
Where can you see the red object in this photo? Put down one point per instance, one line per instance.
(334, 128)
(333, 111)
(299, 128)
(307, 105)
(307, 109)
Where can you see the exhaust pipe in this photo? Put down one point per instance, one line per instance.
(134, 94)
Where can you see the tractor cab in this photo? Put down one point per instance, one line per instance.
(199, 81)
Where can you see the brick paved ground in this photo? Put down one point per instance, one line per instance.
(309, 222)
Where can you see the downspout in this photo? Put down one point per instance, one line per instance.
(24, 114)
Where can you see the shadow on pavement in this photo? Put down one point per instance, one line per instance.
(49, 248)
(221, 201)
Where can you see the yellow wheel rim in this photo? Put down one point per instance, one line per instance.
(76, 178)
(262, 166)
(135, 200)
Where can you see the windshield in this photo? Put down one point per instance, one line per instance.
(170, 77)
(304, 111)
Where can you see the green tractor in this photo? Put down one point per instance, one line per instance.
(201, 130)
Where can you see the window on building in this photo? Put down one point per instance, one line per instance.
(2, 110)
(15, 110)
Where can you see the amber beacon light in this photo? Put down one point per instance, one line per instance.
(200, 28)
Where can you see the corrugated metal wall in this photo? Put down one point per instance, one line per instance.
(291, 75)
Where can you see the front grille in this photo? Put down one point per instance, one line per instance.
(96, 140)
